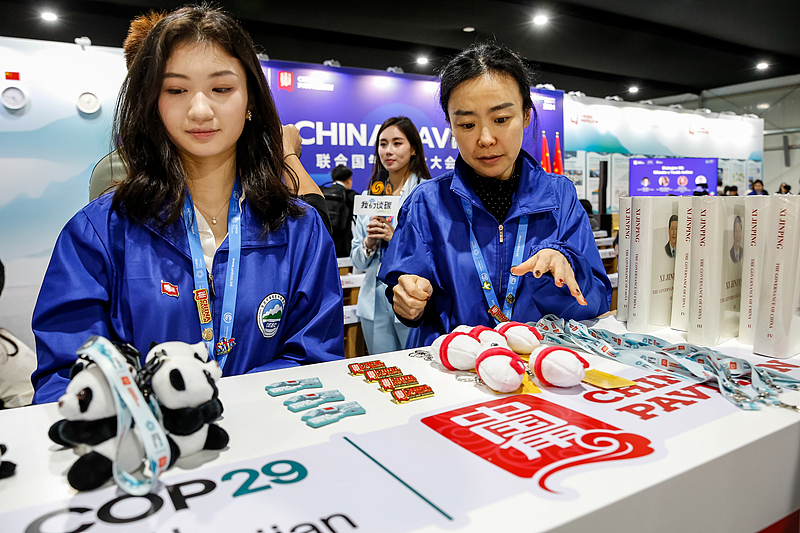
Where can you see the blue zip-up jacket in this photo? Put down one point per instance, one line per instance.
(112, 277)
(432, 241)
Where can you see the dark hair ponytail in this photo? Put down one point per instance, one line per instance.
(480, 59)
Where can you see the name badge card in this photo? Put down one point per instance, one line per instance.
(385, 206)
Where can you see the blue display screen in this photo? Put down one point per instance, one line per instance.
(680, 176)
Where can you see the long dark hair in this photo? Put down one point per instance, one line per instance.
(417, 165)
(480, 59)
(155, 186)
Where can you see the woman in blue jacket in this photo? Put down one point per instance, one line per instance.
(497, 238)
(202, 240)
(399, 167)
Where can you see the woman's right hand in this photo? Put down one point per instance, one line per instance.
(411, 295)
(378, 229)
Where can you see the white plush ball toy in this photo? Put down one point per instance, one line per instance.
(521, 338)
(556, 366)
(462, 329)
(456, 351)
(489, 336)
(501, 369)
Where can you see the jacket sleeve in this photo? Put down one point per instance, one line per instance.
(575, 240)
(73, 305)
(408, 251)
(357, 254)
(315, 317)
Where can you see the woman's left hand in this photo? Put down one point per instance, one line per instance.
(380, 228)
(549, 260)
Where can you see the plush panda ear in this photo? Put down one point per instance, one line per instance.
(176, 379)
(152, 344)
(78, 367)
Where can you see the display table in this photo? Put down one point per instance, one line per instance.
(662, 456)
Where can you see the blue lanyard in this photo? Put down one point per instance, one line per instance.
(226, 342)
(483, 274)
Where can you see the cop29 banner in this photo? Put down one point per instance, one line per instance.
(339, 111)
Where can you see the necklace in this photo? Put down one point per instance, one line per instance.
(214, 217)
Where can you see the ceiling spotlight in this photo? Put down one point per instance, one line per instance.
(422, 60)
(331, 63)
(394, 70)
(634, 89)
(468, 29)
(762, 65)
(539, 20)
(50, 17)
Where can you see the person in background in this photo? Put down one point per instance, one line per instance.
(497, 235)
(733, 190)
(758, 188)
(203, 240)
(785, 188)
(110, 171)
(339, 198)
(399, 167)
(17, 363)
(587, 206)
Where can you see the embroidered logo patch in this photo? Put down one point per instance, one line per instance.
(169, 289)
(269, 314)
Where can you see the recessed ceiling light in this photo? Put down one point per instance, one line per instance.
(540, 20)
(50, 17)
(762, 65)
(468, 29)
(422, 60)
(763, 106)
(634, 89)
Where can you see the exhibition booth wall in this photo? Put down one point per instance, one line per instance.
(48, 147)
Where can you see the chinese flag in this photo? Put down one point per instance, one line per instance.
(545, 153)
(12, 76)
(558, 162)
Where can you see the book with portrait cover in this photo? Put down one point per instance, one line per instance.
(778, 314)
(624, 257)
(716, 269)
(654, 226)
(681, 298)
(754, 242)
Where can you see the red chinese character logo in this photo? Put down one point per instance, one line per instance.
(533, 438)
(286, 81)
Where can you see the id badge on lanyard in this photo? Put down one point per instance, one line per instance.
(221, 349)
(483, 273)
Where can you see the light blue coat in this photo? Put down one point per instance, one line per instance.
(372, 287)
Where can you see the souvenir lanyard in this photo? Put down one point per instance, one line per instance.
(221, 349)
(131, 407)
(687, 361)
(483, 273)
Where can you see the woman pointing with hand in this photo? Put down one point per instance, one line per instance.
(497, 238)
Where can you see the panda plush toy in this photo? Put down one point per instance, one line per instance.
(90, 426)
(183, 381)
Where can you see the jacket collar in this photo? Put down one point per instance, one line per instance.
(534, 195)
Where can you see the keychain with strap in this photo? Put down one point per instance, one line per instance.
(683, 360)
(131, 407)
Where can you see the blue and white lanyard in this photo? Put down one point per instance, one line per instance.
(697, 364)
(131, 406)
(483, 274)
(221, 349)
